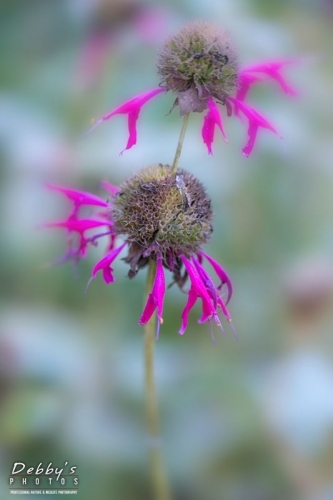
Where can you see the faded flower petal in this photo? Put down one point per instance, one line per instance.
(255, 119)
(211, 119)
(131, 108)
(155, 298)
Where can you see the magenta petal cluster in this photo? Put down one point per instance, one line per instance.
(248, 76)
(80, 226)
(214, 298)
(203, 287)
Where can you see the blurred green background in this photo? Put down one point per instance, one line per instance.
(242, 420)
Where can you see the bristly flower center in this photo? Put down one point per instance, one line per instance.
(198, 62)
(161, 215)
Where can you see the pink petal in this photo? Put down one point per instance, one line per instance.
(211, 119)
(272, 69)
(221, 273)
(199, 288)
(255, 122)
(207, 281)
(79, 225)
(192, 298)
(105, 265)
(155, 299)
(78, 197)
(132, 109)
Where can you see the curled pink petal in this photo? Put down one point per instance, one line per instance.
(255, 119)
(221, 273)
(272, 69)
(104, 265)
(132, 109)
(211, 119)
(207, 281)
(155, 299)
(192, 298)
(198, 290)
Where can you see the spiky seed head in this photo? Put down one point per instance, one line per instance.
(199, 61)
(161, 214)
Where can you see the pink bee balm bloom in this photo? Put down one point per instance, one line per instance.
(140, 212)
(200, 65)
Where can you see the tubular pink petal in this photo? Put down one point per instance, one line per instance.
(79, 225)
(255, 119)
(78, 197)
(104, 265)
(132, 120)
(155, 299)
(207, 281)
(132, 109)
(199, 288)
(211, 119)
(192, 298)
(272, 69)
(221, 273)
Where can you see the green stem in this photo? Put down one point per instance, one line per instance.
(180, 144)
(158, 475)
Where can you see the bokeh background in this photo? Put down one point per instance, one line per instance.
(241, 420)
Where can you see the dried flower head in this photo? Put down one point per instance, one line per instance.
(161, 217)
(199, 61)
(161, 214)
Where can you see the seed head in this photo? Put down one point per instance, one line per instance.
(198, 62)
(161, 215)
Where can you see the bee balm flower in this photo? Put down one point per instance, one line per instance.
(200, 65)
(161, 217)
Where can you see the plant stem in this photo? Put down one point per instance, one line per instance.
(158, 475)
(180, 144)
